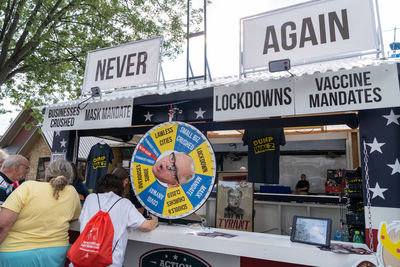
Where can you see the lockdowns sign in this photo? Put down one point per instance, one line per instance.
(316, 30)
(126, 65)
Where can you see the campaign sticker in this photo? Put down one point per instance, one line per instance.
(173, 170)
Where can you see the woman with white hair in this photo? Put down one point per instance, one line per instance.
(3, 156)
(34, 220)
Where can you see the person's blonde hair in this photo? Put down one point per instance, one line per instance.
(59, 174)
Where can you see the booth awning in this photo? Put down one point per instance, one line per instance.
(224, 99)
(181, 86)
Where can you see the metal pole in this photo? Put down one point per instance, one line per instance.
(205, 40)
(187, 41)
(75, 154)
(240, 49)
(379, 29)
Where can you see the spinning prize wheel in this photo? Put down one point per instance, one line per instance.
(173, 170)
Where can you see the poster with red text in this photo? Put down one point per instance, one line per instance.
(234, 206)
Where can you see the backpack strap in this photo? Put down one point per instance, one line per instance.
(116, 243)
(98, 201)
(114, 204)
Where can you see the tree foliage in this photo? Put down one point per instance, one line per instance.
(44, 43)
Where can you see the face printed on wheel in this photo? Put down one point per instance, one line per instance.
(174, 168)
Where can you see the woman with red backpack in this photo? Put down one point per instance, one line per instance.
(106, 214)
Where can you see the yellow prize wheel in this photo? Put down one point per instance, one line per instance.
(173, 170)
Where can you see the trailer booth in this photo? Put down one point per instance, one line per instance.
(373, 106)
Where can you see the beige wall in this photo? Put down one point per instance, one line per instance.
(38, 150)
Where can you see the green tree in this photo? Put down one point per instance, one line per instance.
(44, 43)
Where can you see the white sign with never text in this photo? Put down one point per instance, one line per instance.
(96, 115)
(316, 30)
(121, 66)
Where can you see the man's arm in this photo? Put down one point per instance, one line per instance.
(149, 225)
(7, 220)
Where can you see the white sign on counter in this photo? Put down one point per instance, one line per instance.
(315, 30)
(356, 89)
(96, 115)
(254, 100)
(121, 66)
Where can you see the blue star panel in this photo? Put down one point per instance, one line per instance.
(380, 129)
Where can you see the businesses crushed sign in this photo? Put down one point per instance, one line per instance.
(96, 115)
(308, 32)
(125, 65)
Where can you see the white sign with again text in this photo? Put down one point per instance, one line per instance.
(316, 30)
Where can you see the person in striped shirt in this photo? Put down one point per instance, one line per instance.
(14, 168)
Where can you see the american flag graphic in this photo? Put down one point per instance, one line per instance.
(60, 142)
(63, 142)
(380, 132)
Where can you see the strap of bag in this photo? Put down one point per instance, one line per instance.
(98, 201)
(114, 204)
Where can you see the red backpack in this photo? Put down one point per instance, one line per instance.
(94, 245)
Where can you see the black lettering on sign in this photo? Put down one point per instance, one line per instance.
(247, 100)
(348, 97)
(116, 67)
(289, 35)
(139, 176)
(344, 81)
(285, 36)
(163, 132)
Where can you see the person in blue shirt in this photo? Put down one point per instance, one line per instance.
(80, 187)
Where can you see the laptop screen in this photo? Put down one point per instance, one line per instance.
(314, 231)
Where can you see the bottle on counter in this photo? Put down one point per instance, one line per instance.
(337, 235)
(344, 234)
(357, 238)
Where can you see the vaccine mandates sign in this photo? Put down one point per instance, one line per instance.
(316, 30)
(121, 66)
(96, 115)
(356, 89)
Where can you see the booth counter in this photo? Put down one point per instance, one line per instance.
(274, 214)
(177, 245)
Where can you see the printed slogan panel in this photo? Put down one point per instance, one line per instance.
(357, 89)
(160, 197)
(346, 90)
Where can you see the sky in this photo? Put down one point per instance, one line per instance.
(223, 18)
